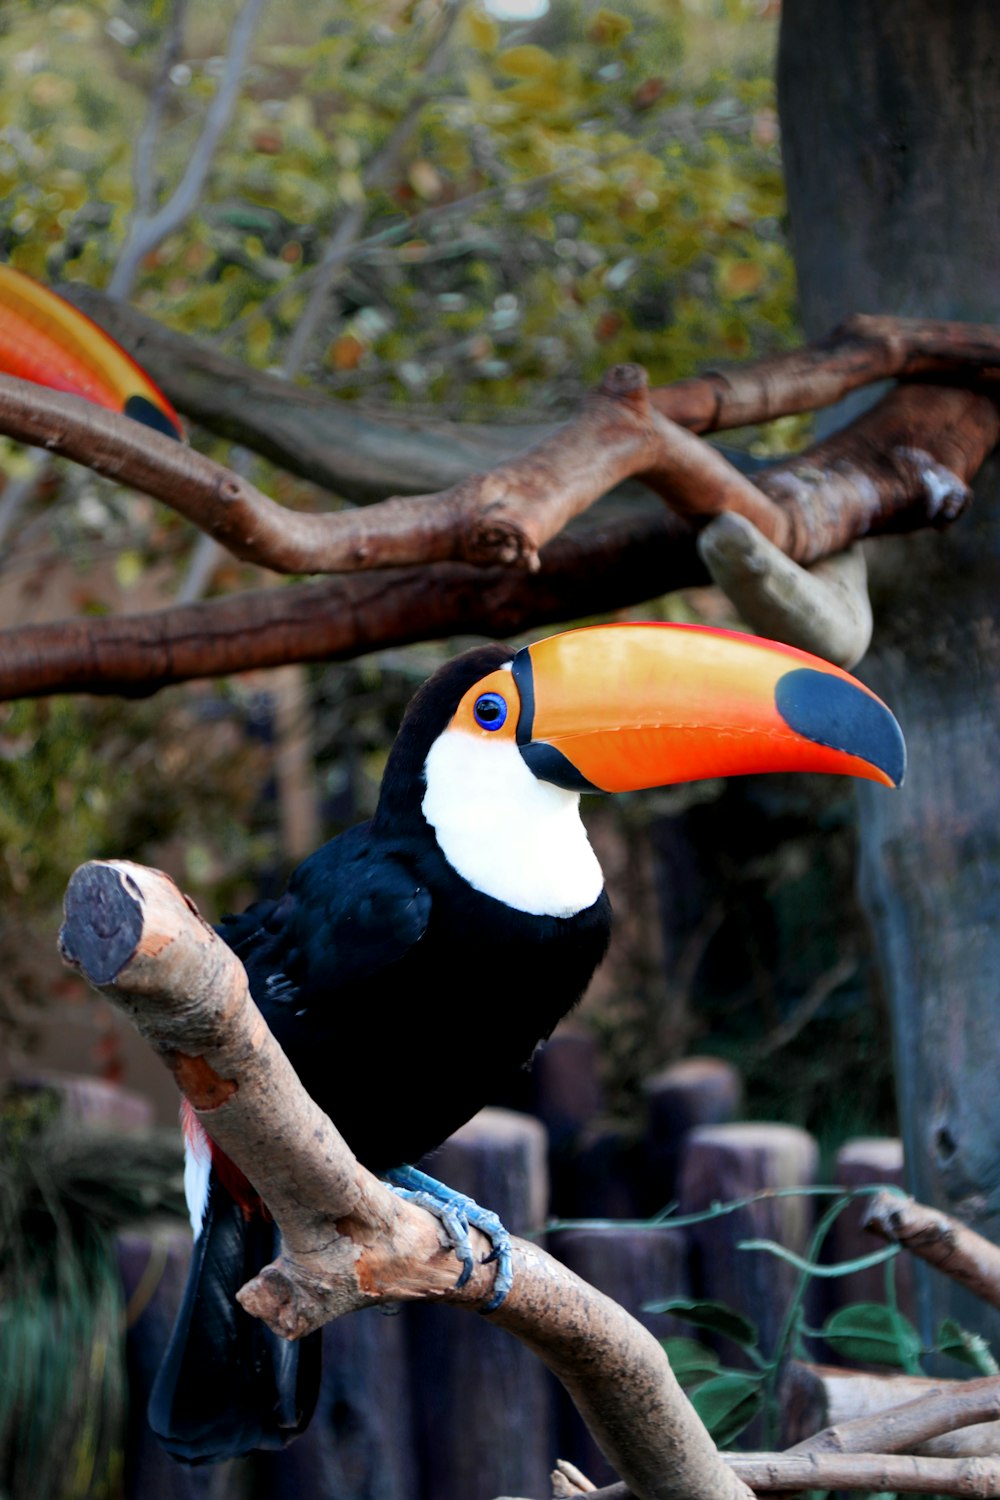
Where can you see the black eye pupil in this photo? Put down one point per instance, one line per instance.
(490, 711)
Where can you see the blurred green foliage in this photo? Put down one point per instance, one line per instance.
(65, 1190)
(517, 206)
(511, 208)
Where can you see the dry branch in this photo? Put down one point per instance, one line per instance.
(819, 1398)
(875, 1472)
(347, 1241)
(940, 1240)
(943, 1408)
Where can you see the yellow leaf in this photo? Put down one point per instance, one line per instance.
(128, 569)
(739, 278)
(482, 31)
(608, 27)
(527, 62)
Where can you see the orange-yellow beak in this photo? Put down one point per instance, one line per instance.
(613, 708)
(45, 340)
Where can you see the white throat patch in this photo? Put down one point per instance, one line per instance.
(511, 836)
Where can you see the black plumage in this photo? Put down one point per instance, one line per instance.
(377, 965)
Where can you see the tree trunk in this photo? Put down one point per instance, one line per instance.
(891, 114)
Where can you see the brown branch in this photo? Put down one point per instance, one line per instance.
(348, 1242)
(905, 465)
(294, 426)
(905, 1473)
(246, 522)
(607, 565)
(861, 351)
(942, 1241)
(905, 1428)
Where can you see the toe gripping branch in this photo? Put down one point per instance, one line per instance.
(457, 1213)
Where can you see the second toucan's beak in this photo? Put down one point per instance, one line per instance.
(614, 708)
(46, 340)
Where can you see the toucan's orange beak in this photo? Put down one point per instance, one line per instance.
(45, 340)
(613, 708)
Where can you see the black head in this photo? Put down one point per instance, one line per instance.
(429, 713)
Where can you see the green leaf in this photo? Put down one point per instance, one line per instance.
(716, 1317)
(690, 1361)
(728, 1403)
(874, 1334)
(971, 1348)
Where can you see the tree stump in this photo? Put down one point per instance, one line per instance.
(695, 1091)
(721, 1163)
(863, 1163)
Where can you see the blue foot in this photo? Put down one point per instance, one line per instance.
(456, 1213)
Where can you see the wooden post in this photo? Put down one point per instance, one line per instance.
(862, 1163)
(484, 1404)
(695, 1091)
(721, 1163)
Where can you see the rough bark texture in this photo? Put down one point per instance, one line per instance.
(890, 118)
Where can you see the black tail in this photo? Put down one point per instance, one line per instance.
(227, 1384)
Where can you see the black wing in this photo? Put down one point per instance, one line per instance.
(352, 909)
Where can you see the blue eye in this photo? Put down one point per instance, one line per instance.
(490, 711)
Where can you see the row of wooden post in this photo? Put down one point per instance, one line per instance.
(431, 1403)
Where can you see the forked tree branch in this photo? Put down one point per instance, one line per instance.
(347, 1241)
(906, 464)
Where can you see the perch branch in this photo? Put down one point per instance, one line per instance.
(347, 1241)
(818, 1397)
(907, 464)
(940, 1240)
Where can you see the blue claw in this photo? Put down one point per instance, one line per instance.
(456, 1213)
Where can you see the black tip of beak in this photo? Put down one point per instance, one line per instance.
(140, 409)
(832, 712)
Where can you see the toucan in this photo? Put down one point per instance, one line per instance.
(47, 341)
(414, 963)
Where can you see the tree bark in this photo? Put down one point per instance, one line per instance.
(890, 115)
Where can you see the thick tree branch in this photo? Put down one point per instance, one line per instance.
(347, 450)
(940, 1240)
(904, 465)
(347, 1241)
(608, 564)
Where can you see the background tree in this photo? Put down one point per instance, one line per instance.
(887, 123)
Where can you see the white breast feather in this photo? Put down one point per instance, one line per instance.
(508, 834)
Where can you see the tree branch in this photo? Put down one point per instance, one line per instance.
(875, 1472)
(147, 230)
(347, 1241)
(905, 1428)
(312, 435)
(607, 564)
(940, 1240)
